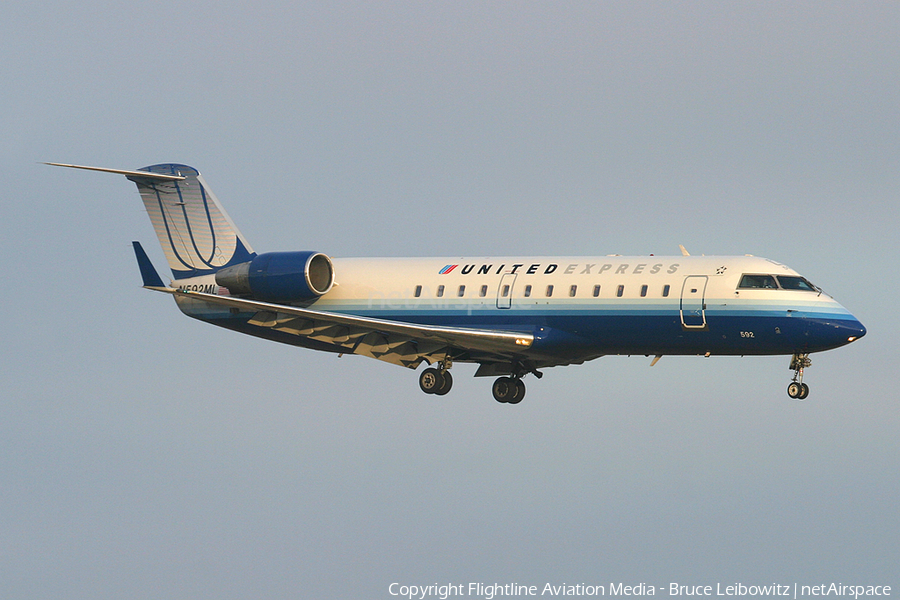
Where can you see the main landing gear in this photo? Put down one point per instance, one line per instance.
(797, 389)
(511, 389)
(436, 381)
(506, 390)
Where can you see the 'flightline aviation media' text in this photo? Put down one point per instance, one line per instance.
(491, 591)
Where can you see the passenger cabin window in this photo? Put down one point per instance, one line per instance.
(462, 291)
(756, 282)
(528, 291)
(620, 291)
(483, 291)
(792, 282)
(596, 291)
(666, 290)
(418, 291)
(644, 291)
(572, 291)
(505, 291)
(549, 290)
(440, 291)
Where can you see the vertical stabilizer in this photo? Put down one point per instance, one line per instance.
(196, 234)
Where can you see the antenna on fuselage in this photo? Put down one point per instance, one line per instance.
(684, 251)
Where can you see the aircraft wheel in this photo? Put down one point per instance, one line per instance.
(431, 381)
(804, 392)
(794, 389)
(448, 383)
(508, 390)
(520, 392)
(504, 389)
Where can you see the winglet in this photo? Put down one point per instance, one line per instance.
(148, 273)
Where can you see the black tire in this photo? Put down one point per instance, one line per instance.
(804, 392)
(448, 383)
(794, 389)
(431, 380)
(520, 392)
(503, 389)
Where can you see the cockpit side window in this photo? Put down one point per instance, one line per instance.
(793, 282)
(755, 282)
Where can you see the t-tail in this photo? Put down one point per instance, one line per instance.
(196, 234)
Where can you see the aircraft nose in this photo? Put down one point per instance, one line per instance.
(832, 333)
(857, 330)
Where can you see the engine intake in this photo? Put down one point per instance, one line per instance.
(280, 276)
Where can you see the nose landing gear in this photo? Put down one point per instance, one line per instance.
(797, 389)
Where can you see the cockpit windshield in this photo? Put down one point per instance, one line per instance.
(774, 282)
(793, 282)
(756, 282)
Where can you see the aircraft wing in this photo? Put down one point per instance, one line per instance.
(406, 344)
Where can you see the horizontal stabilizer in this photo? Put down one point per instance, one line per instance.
(149, 275)
(144, 175)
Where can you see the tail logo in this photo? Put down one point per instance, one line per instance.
(196, 235)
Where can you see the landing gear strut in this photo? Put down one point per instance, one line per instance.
(797, 389)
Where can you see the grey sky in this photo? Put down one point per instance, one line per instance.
(146, 455)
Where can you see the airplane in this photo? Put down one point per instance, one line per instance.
(512, 316)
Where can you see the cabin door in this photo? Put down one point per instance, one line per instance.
(693, 302)
(504, 292)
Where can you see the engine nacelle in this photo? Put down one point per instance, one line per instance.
(280, 276)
